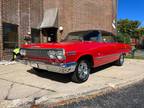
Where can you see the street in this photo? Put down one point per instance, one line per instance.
(130, 97)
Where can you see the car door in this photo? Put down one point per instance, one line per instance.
(110, 53)
(98, 47)
(103, 50)
(94, 40)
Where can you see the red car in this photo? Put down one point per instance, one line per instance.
(78, 53)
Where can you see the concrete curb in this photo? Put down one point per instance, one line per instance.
(60, 99)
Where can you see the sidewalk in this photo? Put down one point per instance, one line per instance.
(140, 53)
(20, 85)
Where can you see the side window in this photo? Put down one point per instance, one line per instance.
(108, 37)
(93, 36)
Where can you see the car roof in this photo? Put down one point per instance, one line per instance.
(102, 31)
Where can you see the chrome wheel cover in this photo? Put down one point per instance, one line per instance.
(83, 70)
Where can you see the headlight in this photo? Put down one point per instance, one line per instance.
(61, 57)
(56, 54)
(60, 54)
(51, 54)
(23, 52)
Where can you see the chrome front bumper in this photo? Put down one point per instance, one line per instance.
(63, 69)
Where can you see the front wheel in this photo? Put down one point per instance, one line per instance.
(82, 71)
(120, 61)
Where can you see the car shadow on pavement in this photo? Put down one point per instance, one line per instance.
(64, 78)
(100, 68)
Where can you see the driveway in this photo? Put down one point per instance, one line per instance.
(20, 83)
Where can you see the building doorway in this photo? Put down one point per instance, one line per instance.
(49, 34)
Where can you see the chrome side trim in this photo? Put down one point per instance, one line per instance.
(107, 56)
(62, 68)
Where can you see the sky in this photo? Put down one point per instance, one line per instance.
(131, 9)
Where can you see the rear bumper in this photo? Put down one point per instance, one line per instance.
(63, 69)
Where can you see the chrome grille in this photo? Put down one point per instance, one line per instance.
(36, 52)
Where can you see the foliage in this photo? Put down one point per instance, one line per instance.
(127, 26)
(123, 38)
(129, 29)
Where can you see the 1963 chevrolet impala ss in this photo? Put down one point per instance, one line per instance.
(78, 53)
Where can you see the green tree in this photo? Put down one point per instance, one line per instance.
(141, 31)
(128, 29)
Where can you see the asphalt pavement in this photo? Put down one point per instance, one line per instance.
(128, 97)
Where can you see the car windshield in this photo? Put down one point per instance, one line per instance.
(76, 36)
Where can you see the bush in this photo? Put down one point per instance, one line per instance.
(123, 38)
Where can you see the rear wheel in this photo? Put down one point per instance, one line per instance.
(120, 61)
(82, 71)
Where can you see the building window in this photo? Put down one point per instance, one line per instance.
(35, 34)
(10, 36)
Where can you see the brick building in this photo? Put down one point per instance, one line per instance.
(41, 17)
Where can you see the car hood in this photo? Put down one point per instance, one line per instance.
(73, 45)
